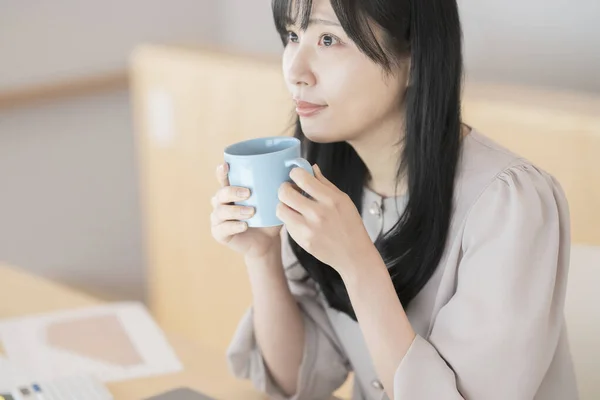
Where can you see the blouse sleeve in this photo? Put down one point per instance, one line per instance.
(496, 337)
(324, 367)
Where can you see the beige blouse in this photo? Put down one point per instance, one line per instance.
(490, 321)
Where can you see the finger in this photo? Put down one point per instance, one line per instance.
(225, 231)
(222, 174)
(232, 213)
(217, 218)
(230, 194)
(288, 216)
(293, 222)
(309, 184)
(294, 199)
(321, 178)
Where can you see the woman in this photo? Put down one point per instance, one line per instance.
(428, 260)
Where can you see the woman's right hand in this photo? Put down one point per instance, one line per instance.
(228, 221)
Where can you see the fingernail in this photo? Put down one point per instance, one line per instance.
(242, 226)
(243, 193)
(225, 168)
(247, 211)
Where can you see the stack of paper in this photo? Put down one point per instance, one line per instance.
(111, 342)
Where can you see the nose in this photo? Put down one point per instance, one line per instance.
(298, 68)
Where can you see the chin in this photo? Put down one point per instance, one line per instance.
(320, 137)
(321, 134)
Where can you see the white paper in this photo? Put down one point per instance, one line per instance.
(31, 356)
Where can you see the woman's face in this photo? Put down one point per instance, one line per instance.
(349, 94)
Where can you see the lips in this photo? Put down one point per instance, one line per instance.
(307, 109)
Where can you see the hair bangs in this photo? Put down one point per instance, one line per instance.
(290, 12)
(353, 17)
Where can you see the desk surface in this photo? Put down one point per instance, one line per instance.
(205, 369)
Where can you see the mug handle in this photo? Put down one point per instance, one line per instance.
(302, 163)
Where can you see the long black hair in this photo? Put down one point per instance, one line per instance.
(429, 32)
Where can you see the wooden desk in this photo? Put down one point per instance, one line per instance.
(205, 368)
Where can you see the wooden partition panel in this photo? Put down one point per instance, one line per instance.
(190, 104)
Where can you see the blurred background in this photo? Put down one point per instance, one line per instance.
(113, 115)
(69, 190)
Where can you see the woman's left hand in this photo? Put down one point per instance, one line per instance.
(328, 225)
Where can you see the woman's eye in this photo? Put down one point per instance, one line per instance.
(292, 37)
(328, 40)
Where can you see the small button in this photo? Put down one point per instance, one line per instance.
(375, 209)
(377, 384)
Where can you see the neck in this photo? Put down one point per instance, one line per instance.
(380, 149)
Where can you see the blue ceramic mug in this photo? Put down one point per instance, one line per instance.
(263, 165)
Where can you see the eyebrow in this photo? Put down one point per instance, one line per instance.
(322, 22)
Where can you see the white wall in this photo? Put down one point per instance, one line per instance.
(554, 43)
(542, 42)
(247, 25)
(42, 40)
(69, 195)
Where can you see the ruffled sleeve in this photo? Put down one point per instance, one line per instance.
(496, 337)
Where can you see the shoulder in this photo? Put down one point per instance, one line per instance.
(490, 175)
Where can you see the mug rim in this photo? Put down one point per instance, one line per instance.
(228, 148)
